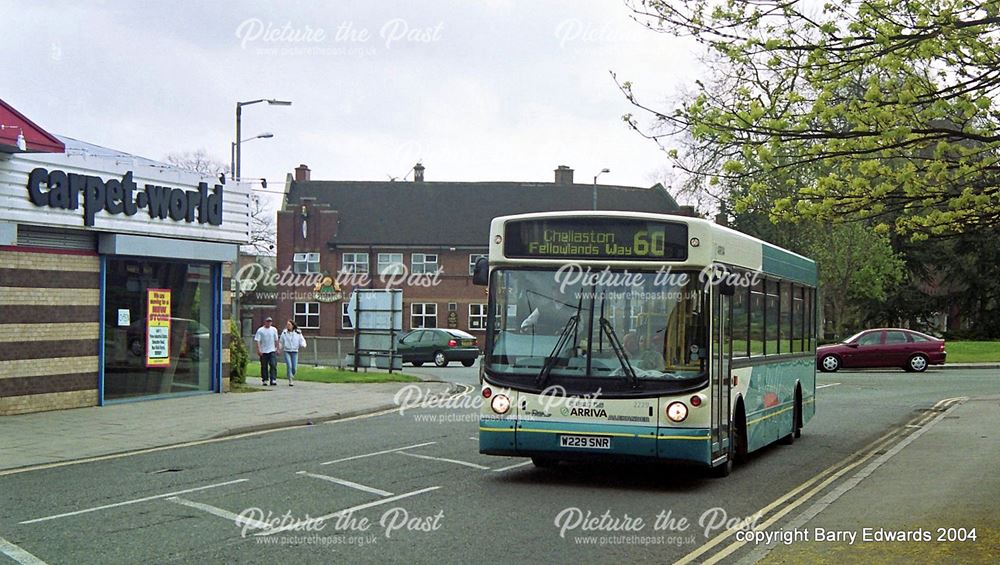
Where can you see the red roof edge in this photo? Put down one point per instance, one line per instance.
(37, 139)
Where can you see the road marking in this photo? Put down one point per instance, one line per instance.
(455, 461)
(346, 483)
(349, 510)
(135, 501)
(474, 438)
(378, 453)
(837, 470)
(509, 467)
(826, 385)
(18, 554)
(241, 521)
(843, 488)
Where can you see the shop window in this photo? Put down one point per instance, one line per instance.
(354, 263)
(424, 263)
(307, 315)
(305, 263)
(423, 315)
(477, 316)
(158, 331)
(390, 263)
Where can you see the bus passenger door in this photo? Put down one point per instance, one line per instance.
(719, 372)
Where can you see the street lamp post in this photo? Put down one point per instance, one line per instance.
(232, 150)
(239, 114)
(605, 170)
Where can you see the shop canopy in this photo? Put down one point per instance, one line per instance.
(13, 124)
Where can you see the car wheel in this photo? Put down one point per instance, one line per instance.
(829, 364)
(440, 360)
(918, 363)
(417, 363)
(468, 363)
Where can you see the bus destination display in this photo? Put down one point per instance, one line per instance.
(596, 238)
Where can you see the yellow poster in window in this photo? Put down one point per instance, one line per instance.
(158, 327)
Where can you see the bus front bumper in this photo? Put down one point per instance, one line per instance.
(528, 438)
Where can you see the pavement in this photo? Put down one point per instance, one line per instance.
(61, 436)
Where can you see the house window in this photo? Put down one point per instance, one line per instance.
(354, 263)
(390, 263)
(473, 258)
(477, 316)
(423, 263)
(307, 315)
(423, 315)
(305, 263)
(345, 316)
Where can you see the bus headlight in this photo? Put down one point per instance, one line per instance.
(677, 411)
(500, 404)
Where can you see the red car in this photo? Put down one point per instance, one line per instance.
(884, 347)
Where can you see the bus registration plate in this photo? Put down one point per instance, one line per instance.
(586, 442)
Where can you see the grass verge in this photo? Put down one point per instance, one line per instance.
(332, 375)
(973, 351)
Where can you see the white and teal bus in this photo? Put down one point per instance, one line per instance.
(631, 335)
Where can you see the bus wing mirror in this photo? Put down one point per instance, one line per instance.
(481, 273)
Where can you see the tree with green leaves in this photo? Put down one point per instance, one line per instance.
(880, 110)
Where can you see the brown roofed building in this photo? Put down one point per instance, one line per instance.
(381, 231)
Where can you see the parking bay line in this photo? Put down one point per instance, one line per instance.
(346, 483)
(455, 461)
(220, 512)
(826, 385)
(135, 501)
(514, 466)
(378, 453)
(18, 554)
(350, 510)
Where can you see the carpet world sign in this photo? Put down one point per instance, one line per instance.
(158, 327)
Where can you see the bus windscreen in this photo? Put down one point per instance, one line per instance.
(596, 238)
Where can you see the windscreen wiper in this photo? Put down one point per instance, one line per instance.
(620, 352)
(553, 356)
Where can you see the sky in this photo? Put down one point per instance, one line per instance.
(494, 90)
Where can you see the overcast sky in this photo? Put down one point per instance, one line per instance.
(479, 91)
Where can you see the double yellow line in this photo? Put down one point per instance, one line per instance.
(788, 502)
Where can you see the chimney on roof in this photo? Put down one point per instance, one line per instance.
(564, 175)
(418, 172)
(302, 173)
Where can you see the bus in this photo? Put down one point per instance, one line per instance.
(615, 335)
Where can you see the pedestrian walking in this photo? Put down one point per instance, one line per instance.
(266, 340)
(291, 341)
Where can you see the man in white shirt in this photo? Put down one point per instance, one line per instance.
(266, 340)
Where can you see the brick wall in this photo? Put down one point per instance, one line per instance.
(49, 330)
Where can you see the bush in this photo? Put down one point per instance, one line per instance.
(238, 357)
